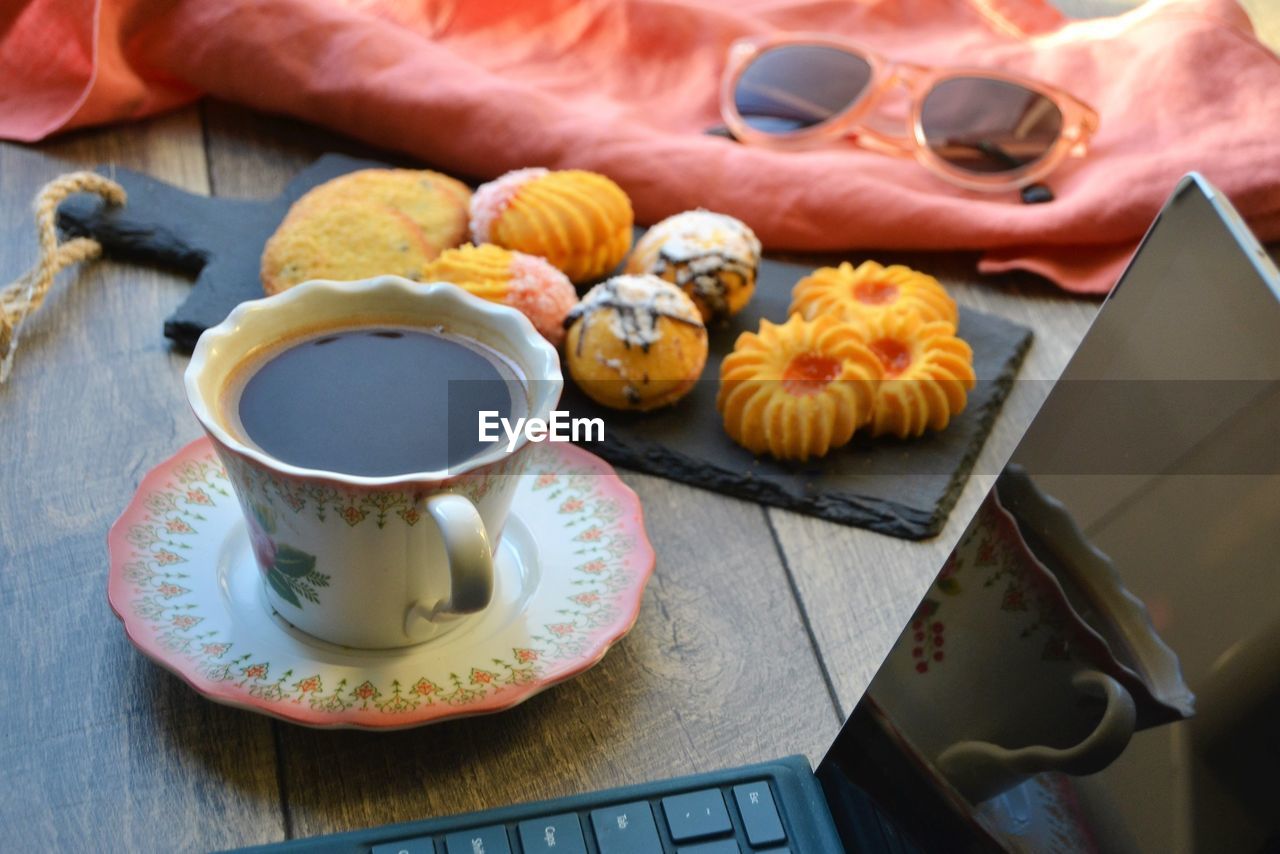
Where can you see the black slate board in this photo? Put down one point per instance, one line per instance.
(901, 488)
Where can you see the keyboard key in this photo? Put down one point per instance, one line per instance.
(720, 846)
(481, 840)
(759, 814)
(626, 829)
(556, 834)
(696, 815)
(421, 845)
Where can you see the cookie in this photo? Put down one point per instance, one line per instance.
(870, 291)
(635, 342)
(579, 221)
(524, 282)
(797, 390)
(928, 373)
(367, 223)
(712, 257)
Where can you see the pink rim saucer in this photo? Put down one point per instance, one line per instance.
(572, 569)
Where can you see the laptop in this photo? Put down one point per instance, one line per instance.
(1096, 666)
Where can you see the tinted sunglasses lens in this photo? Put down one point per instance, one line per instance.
(988, 126)
(794, 87)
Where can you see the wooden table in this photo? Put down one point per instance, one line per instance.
(758, 633)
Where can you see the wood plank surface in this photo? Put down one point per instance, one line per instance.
(102, 750)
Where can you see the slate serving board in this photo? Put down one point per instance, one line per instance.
(901, 488)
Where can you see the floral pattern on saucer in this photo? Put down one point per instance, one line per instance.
(595, 560)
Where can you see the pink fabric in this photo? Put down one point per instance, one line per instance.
(625, 87)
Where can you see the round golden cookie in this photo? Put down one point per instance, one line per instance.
(635, 342)
(579, 221)
(928, 373)
(799, 389)
(367, 223)
(351, 241)
(713, 257)
(869, 291)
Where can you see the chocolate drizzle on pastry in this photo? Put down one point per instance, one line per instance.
(703, 277)
(638, 302)
(700, 250)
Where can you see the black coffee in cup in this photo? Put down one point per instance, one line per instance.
(373, 401)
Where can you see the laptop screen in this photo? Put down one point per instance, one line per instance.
(1097, 664)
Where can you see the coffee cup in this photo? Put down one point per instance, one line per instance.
(997, 678)
(370, 561)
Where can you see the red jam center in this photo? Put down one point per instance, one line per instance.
(809, 373)
(893, 354)
(875, 293)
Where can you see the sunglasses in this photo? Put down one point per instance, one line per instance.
(978, 129)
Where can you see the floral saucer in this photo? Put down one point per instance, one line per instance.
(570, 572)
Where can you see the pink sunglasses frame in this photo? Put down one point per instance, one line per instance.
(1079, 120)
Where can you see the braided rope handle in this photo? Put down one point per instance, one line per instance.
(20, 298)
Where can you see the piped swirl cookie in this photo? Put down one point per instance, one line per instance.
(579, 221)
(799, 389)
(635, 342)
(526, 283)
(367, 223)
(870, 291)
(714, 258)
(928, 373)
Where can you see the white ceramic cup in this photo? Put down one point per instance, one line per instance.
(372, 562)
(997, 678)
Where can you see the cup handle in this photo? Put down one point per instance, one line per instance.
(981, 770)
(466, 544)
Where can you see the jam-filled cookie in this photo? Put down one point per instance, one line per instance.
(524, 282)
(869, 291)
(799, 389)
(635, 342)
(714, 258)
(579, 221)
(367, 223)
(928, 373)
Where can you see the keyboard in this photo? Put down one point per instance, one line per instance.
(776, 807)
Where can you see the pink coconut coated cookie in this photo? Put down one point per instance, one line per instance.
(579, 221)
(525, 282)
(542, 293)
(491, 199)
